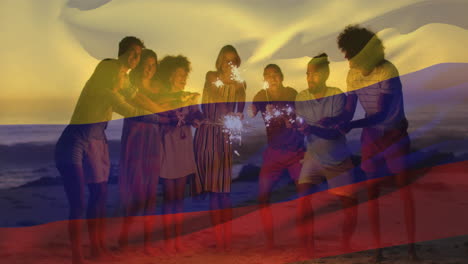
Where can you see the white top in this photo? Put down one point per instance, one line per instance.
(384, 79)
(327, 151)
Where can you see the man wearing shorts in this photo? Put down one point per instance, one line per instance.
(285, 147)
(376, 83)
(327, 157)
(81, 153)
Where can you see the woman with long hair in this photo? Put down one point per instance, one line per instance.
(140, 155)
(223, 96)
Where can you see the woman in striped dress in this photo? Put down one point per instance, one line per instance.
(223, 95)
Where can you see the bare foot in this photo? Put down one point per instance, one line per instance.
(112, 255)
(123, 241)
(150, 251)
(79, 260)
(219, 246)
(413, 257)
(271, 245)
(123, 247)
(169, 249)
(378, 257)
(103, 256)
(307, 250)
(179, 247)
(227, 248)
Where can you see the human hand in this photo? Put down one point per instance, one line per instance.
(198, 123)
(288, 123)
(302, 127)
(252, 111)
(180, 117)
(269, 108)
(144, 102)
(190, 97)
(240, 115)
(163, 119)
(344, 127)
(327, 122)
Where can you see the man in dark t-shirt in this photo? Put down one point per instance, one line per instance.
(285, 143)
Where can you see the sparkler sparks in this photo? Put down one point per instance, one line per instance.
(289, 110)
(266, 85)
(286, 113)
(235, 73)
(233, 126)
(218, 83)
(276, 112)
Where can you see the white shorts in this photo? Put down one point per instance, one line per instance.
(340, 177)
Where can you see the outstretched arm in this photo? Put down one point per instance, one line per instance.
(325, 133)
(389, 87)
(371, 120)
(144, 102)
(346, 114)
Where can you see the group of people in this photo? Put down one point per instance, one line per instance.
(306, 136)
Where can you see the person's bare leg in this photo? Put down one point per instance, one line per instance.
(216, 219)
(128, 220)
(92, 220)
(149, 221)
(227, 220)
(374, 216)
(148, 231)
(305, 219)
(349, 205)
(179, 207)
(406, 194)
(96, 221)
(102, 218)
(265, 187)
(168, 213)
(74, 186)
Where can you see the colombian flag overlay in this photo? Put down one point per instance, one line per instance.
(234, 131)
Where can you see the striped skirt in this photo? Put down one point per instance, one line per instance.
(213, 156)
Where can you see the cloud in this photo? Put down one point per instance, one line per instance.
(86, 4)
(42, 62)
(52, 47)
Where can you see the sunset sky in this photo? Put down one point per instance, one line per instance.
(51, 47)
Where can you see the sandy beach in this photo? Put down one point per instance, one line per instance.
(441, 217)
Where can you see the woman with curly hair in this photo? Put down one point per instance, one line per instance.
(177, 159)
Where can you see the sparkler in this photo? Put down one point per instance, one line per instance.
(289, 109)
(235, 73)
(285, 112)
(300, 120)
(235, 76)
(218, 83)
(233, 126)
(266, 85)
